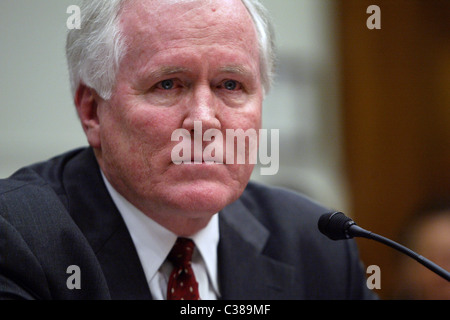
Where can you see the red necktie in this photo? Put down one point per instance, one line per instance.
(182, 283)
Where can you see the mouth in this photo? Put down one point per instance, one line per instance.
(201, 159)
(197, 161)
(207, 154)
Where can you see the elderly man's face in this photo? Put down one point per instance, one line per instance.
(187, 61)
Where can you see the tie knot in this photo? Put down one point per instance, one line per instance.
(181, 253)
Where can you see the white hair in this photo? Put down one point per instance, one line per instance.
(266, 41)
(95, 50)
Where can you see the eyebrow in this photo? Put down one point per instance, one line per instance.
(167, 70)
(236, 69)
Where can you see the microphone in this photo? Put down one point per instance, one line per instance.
(337, 226)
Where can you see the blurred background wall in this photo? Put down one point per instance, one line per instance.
(37, 116)
(395, 107)
(364, 115)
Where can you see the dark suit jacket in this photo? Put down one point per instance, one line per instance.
(58, 213)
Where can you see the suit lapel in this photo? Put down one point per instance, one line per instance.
(93, 210)
(244, 271)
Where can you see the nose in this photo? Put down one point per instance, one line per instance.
(203, 107)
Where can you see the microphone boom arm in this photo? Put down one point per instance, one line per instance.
(337, 226)
(356, 231)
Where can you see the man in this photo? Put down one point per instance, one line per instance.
(100, 222)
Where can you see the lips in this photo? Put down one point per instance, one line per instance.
(209, 153)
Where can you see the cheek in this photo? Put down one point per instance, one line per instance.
(244, 118)
(137, 136)
(150, 127)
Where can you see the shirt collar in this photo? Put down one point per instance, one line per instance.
(153, 242)
(206, 241)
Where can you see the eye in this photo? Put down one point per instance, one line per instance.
(231, 85)
(166, 84)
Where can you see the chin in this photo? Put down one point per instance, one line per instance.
(202, 197)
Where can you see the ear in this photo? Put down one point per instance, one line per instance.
(86, 102)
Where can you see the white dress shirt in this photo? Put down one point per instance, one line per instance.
(153, 243)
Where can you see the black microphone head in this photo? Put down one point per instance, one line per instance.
(335, 225)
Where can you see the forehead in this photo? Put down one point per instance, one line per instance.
(153, 25)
